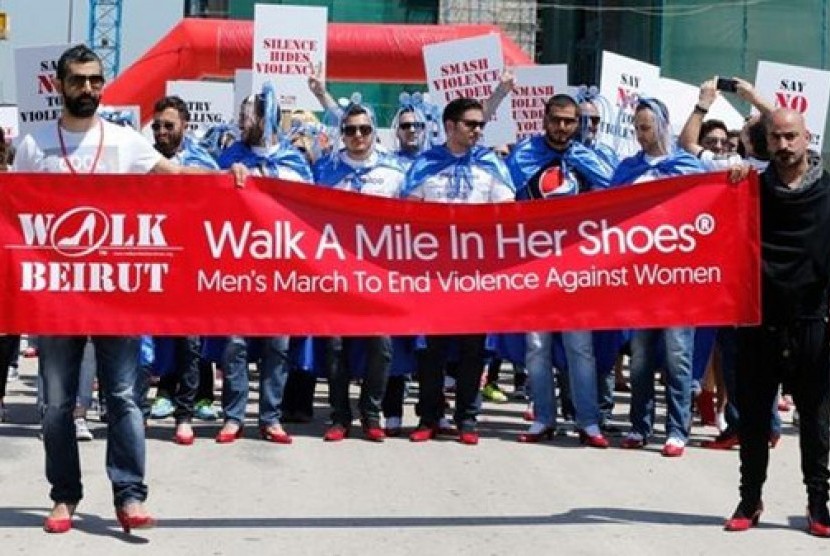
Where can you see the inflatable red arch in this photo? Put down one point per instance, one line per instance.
(214, 48)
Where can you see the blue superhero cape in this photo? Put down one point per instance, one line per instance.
(534, 153)
(438, 158)
(677, 163)
(285, 156)
(192, 154)
(331, 170)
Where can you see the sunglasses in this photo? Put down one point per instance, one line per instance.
(351, 130)
(168, 126)
(408, 126)
(474, 124)
(77, 81)
(594, 119)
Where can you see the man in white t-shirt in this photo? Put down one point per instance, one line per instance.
(460, 171)
(83, 143)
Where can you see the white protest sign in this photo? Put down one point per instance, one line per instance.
(38, 102)
(680, 99)
(242, 87)
(806, 90)
(470, 68)
(9, 123)
(209, 102)
(622, 82)
(289, 43)
(534, 86)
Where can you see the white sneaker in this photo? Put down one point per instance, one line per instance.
(82, 432)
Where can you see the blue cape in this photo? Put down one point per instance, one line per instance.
(285, 156)
(331, 170)
(534, 153)
(438, 158)
(677, 163)
(192, 154)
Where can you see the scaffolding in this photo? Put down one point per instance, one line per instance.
(105, 34)
(517, 18)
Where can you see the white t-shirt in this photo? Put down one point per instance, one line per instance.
(121, 151)
(380, 181)
(716, 163)
(486, 188)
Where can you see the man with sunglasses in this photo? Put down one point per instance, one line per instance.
(544, 166)
(361, 167)
(459, 171)
(177, 389)
(83, 143)
(410, 132)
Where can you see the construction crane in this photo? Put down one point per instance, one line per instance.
(105, 33)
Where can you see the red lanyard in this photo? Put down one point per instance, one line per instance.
(97, 152)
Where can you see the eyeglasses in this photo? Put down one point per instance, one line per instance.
(407, 126)
(168, 126)
(351, 130)
(594, 119)
(474, 124)
(77, 80)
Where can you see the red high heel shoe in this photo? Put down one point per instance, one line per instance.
(184, 439)
(529, 437)
(225, 437)
(593, 441)
(59, 524)
(373, 432)
(814, 522)
(423, 433)
(271, 435)
(743, 518)
(130, 522)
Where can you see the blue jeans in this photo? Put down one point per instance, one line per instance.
(679, 347)
(273, 373)
(582, 376)
(60, 365)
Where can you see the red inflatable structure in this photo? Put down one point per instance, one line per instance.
(214, 48)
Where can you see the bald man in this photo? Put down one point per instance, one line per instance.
(791, 344)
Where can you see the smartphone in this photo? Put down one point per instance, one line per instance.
(726, 84)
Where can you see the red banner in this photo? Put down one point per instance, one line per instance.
(193, 254)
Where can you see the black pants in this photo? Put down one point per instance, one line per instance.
(378, 363)
(180, 384)
(468, 379)
(798, 354)
(9, 345)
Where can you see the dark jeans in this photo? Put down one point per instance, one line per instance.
(60, 365)
(393, 399)
(468, 379)
(378, 363)
(181, 383)
(273, 372)
(799, 354)
(9, 346)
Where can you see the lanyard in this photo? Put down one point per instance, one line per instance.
(97, 152)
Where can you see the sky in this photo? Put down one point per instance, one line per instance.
(45, 22)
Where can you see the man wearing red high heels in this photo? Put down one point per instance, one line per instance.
(791, 343)
(83, 143)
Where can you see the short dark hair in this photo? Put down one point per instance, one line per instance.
(174, 102)
(708, 126)
(78, 54)
(757, 134)
(562, 100)
(456, 108)
(354, 110)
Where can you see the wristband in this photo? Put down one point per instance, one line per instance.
(700, 110)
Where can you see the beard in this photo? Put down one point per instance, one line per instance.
(81, 106)
(170, 145)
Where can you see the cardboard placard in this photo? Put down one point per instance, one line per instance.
(209, 102)
(534, 86)
(38, 101)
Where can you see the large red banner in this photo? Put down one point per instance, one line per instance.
(193, 254)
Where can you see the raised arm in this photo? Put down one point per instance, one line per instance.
(506, 83)
(691, 130)
(747, 92)
(318, 87)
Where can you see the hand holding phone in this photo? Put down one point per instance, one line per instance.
(726, 84)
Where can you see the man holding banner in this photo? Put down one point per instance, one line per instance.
(83, 143)
(460, 171)
(791, 344)
(546, 166)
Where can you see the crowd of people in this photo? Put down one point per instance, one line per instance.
(439, 158)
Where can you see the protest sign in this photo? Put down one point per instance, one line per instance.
(289, 44)
(534, 86)
(805, 90)
(470, 68)
(38, 101)
(209, 102)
